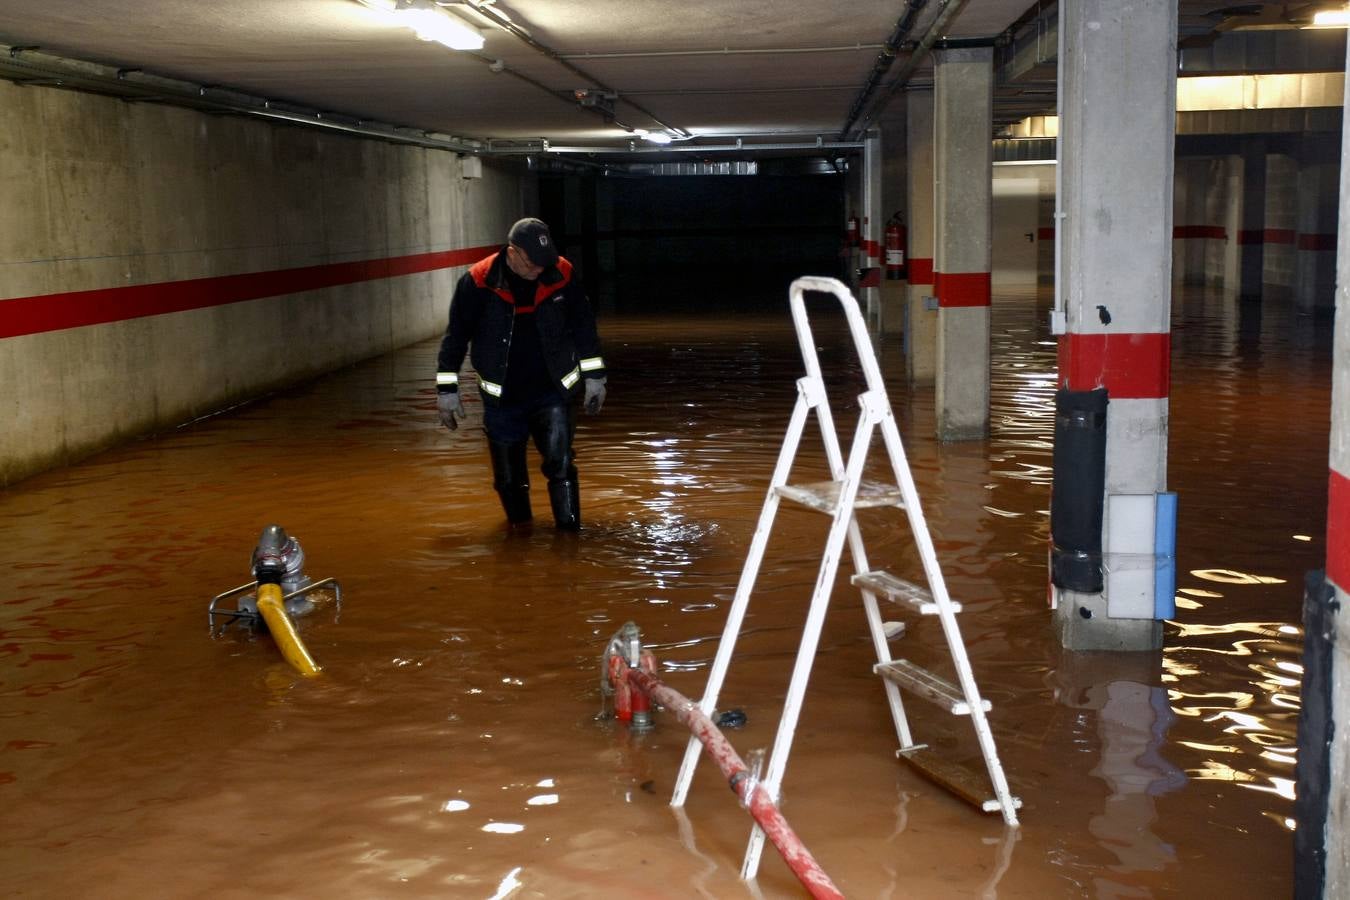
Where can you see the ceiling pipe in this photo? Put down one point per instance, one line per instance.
(885, 59)
(950, 10)
(725, 51)
(503, 21)
(27, 65)
(684, 92)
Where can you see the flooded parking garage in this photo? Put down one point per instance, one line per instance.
(452, 745)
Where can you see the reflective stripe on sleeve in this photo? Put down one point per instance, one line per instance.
(490, 387)
(447, 378)
(591, 363)
(571, 378)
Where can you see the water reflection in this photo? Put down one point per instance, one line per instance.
(1133, 718)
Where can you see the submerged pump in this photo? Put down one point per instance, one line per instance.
(625, 651)
(279, 559)
(278, 593)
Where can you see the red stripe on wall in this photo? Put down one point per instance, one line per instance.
(1279, 236)
(962, 288)
(1323, 242)
(920, 271)
(1252, 236)
(1338, 530)
(1208, 232)
(1129, 366)
(1045, 234)
(55, 312)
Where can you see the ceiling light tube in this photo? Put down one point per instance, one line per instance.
(432, 24)
(657, 137)
(1332, 18)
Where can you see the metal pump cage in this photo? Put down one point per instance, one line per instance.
(232, 615)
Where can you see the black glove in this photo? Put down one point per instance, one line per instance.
(449, 405)
(595, 395)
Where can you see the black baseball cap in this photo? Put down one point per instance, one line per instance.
(532, 236)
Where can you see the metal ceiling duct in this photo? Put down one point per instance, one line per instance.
(950, 10)
(885, 59)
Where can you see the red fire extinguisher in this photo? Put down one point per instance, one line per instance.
(897, 236)
(851, 232)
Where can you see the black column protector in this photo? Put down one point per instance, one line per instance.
(1077, 497)
(1315, 730)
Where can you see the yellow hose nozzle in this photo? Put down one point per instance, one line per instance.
(283, 630)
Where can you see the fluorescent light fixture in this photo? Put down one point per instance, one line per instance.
(441, 27)
(657, 137)
(1332, 18)
(429, 22)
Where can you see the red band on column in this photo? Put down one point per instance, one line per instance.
(1338, 530)
(1045, 234)
(1279, 236)
(54, 312)
(1252, 236)
(962, 288)
(920, 271)
(1130, 366)
(1209, 232)
(1323, 242)
(872, 249)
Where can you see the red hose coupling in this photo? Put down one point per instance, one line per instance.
(623, 693)
(642, 704)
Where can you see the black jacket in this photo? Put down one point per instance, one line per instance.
(482, 314)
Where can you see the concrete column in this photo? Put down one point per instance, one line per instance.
(873, 221)
(1338, 552)
(1252, 233)
(1229, 253)
(963, 98)
(1281, 226)
(854, 258)
(1315, 241)
(1117, 122)
(1192, 190)
(921, 312)
(894, 291)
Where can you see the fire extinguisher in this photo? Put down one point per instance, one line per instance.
(851, 232)
(897, 235)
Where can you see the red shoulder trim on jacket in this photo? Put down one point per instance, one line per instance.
(479, 270)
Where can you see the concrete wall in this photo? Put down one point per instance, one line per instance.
(101, 194)
(1298, 225)
(1024, 247)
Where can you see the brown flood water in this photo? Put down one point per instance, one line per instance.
(451, 746)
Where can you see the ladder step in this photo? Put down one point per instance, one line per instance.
(969, 785)
(900, 591)
(927, 685)
(824, 495)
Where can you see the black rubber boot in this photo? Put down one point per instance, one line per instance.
(511, 478)
(565, 498)
(552, 428)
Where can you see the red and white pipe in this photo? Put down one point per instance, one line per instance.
(632, 682)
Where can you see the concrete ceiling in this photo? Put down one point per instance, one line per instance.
(778, 67)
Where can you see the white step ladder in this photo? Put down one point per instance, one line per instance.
(839, 498)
